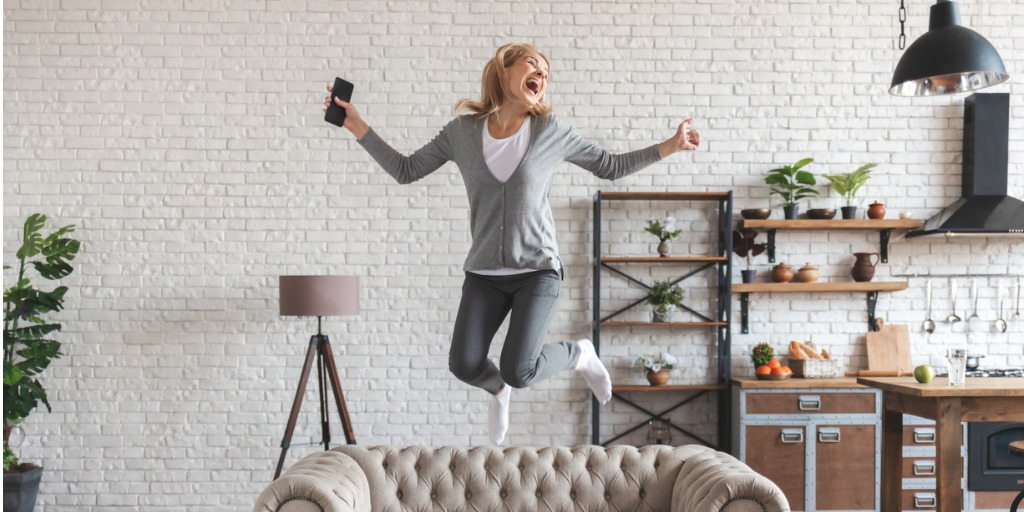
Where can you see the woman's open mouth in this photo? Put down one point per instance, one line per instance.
(533, 85)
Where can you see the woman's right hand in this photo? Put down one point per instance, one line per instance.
(353, 122)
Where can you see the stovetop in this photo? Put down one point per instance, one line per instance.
(996, 372)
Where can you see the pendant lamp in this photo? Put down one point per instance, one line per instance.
(948, 59)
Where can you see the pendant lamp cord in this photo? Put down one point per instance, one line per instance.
(903, 23)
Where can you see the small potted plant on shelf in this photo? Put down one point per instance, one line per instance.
(664, 297)
(665, 230)
(27, 351)
(743, 244)
(847, 186)
(656, 367)
(792, 184)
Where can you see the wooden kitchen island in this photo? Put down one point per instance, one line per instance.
(980, 399)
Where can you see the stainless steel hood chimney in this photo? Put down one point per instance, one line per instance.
(984, 209)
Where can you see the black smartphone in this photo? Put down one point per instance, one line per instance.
(335, 114)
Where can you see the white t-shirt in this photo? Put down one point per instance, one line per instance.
(503, 157)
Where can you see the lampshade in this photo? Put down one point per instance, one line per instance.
(319, 295)
(948, 59)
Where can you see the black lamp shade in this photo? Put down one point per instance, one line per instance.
(948, 59)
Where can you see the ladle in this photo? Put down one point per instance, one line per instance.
(974, 296)
(1017, 314)
(929, 325)
(953, 317)
(1000, 323)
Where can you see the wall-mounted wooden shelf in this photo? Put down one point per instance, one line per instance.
(697, 387)
(883, 226)
(669, 259)
(663, 324)
(872, 288)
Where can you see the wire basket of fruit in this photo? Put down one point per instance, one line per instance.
(810, 363)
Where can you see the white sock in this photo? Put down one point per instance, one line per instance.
(497, 417)
(590, 367)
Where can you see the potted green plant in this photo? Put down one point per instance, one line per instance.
(27, 351)
(665, 297)
(792, 184)
(743, 244)
(665, 230)
(847, 186)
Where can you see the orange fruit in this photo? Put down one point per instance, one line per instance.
(786, 369)
(777, 371)
(763, 370)
(774, 363)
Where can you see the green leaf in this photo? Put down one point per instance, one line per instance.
(806, 178)
(776, 179)
(32, 240)
(802, 163)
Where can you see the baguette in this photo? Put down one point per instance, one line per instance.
(795, 352)
(808, 351)
(825, 354)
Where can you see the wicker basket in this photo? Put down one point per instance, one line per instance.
(814, 368)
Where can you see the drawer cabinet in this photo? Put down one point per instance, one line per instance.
(820, 446)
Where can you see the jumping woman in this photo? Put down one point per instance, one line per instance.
(507, 148)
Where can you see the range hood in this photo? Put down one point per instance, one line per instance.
(984, 209)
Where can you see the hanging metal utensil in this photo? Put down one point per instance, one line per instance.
(953, 317)
(1000, 323)
(1017, 314)
(929, 325)
(974, 296)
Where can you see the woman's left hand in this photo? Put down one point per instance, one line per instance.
(683, 140)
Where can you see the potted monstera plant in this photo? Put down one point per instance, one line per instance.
(792, 183)
(28, 349)
(847, 186)
(743, 244)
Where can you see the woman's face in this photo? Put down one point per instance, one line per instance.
(527, 79)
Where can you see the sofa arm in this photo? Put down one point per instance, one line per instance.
(716, 481)
(327, 481)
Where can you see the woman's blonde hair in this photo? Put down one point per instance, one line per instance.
(492, 87)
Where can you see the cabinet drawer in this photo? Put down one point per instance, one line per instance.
(919, 499)
(919, 467)
(918, 435)
(810, 403)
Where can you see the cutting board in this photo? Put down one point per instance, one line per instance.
(889, 348)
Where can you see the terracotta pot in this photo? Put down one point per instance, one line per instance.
(658, 378)
(876, 211)
(782, 273)
(863, 268)
(807, 274)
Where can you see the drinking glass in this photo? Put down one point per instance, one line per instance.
(957, 358)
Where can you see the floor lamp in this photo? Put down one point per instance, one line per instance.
(318, 296)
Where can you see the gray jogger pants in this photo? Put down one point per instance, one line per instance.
(525, 358)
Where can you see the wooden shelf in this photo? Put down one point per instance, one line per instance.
(663, 196)
(670, 259)
(839, 224)
(698, 387)
(819, 287)
(883, 226)
(663, 324)
(872, 288)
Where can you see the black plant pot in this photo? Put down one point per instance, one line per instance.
(20, 490)
(791, 211)
(748, 276)
(849, 212)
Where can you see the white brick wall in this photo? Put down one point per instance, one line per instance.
(185, 140)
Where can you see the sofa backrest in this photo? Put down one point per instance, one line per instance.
(490, 478)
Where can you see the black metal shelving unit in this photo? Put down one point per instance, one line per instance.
(722, 263)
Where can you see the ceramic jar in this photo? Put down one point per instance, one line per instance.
(807, 274)
(876, 211)
(663, 249)
(782, 273)
(863, 267)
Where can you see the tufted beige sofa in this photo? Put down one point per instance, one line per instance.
(586, 478)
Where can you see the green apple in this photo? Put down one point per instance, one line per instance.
(924, 373)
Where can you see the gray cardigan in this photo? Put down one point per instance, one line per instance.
(511, 222)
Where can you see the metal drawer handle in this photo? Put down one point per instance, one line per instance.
(809, 403)
(792, 435)
(924, 499)
(828, 435)
(924, 468)
(924, 435)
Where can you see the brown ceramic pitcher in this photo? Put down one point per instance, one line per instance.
(863, 268)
